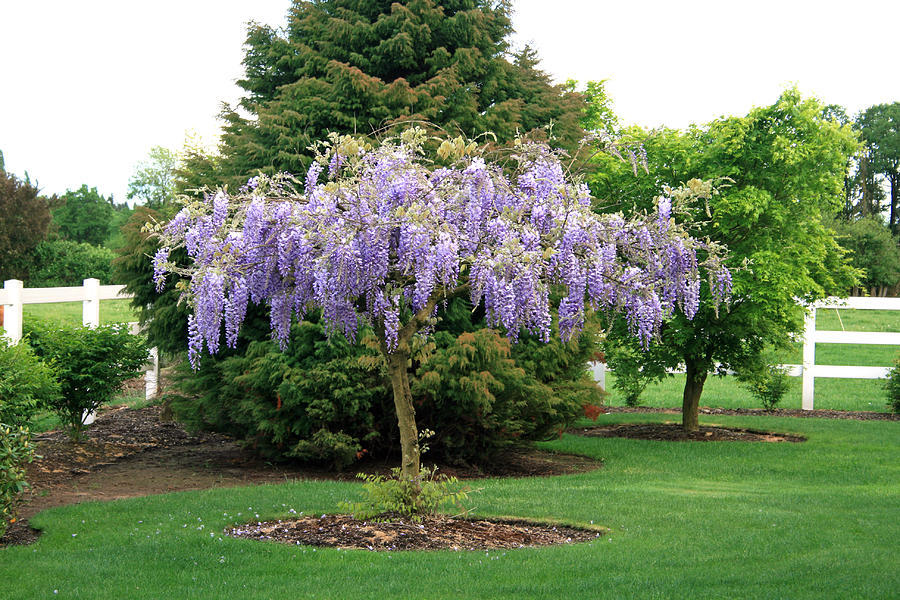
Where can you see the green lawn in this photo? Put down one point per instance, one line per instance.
(687, 520)
(111, 311)
(726, 392)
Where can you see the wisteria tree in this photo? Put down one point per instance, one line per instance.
(381, 236)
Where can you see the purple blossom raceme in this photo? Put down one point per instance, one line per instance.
(385, 238)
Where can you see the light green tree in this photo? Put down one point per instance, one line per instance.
(153, 181)
(780, 173)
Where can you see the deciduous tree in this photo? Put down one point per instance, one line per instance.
(387, 238)
(880, 128)
(781, 173)
(24, 220)
(85, 216)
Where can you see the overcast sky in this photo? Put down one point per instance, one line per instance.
(89, 87)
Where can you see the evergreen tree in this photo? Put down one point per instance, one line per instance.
(357, 66)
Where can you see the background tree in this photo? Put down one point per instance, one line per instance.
(24, 221)
(874, 251)
(356, 66)
(785, 165)
(84, 216)
(66, 263)
(349, 66)
(153, 182)
(880, 128)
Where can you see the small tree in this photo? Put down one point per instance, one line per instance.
(388, 237)
(92, 364)
(781, 175)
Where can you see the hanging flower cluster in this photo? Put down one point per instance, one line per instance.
(386, 234)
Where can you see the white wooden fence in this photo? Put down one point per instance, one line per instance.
(14, 296)
(809, 370)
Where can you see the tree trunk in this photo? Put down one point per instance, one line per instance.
(406, 415)
(895, 183)
(694, 379)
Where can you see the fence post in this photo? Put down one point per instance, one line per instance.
(90, 313)
(598, 370)
(151, 376)
(12, 315)
(809, 358)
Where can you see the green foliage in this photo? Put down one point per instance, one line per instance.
(162, 316)
(320, 400)
(873, 249)
(68, 263)
(357, 67)
(16, 450)
(85, 216)
(26, 383)
(415, 498)
(880, 129)
(329, 402)
(892, 387)
(633, 373)
(24, 220)
(153, 181)
(765, 379)
(478, 400)
(91, 364)
(785, 167)
(598, 113)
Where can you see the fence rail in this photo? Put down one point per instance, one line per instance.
(14, 296)
(809, 370)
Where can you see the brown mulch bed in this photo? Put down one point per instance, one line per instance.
(673, 432)
(131, 452)
(433, 533)
(759, 412)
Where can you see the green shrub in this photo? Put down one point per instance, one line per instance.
(394, 496)
(92, 364)
(632, 369)
(26, 383)
(16, 450)
(63, 262)
(478, 400)
(765, 379)
(892, 387)
(320, 400)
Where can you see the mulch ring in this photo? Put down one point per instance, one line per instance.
(674, 432)
(858, 415)
(396, 533)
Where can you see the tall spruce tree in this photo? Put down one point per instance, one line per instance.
(357, 66)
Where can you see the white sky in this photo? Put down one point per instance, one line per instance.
(88, 87)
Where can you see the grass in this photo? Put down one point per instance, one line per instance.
(726, 392)
(686, 520)
(111, 311)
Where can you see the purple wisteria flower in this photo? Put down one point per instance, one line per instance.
(385, 238)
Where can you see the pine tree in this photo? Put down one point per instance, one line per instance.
(358, 66)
